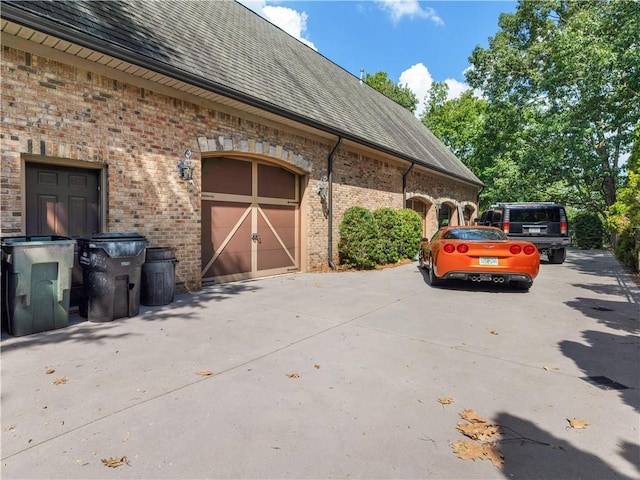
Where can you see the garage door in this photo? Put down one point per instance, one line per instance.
(249, 220)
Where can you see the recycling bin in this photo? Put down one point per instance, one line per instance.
(111, 270)
(36, 283)
(158, 276)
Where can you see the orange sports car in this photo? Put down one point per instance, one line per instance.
(479, 254)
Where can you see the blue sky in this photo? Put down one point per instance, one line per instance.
(415, 42)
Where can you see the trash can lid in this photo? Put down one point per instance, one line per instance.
(35, 240)
(111, 236)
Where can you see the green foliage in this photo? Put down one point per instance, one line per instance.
(389, 234)
(587, 231)
(562, 85)
(384, 236)
(410, 232)
(623, 217)
(458, 123)
(358, 246)
(401, 94)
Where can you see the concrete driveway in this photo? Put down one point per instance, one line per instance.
(337, 375)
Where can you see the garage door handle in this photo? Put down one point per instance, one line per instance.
(256, 238)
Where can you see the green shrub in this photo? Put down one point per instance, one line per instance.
(587, 231)
(410, 232)
(627, 249)
(389, 232)
(358, 246)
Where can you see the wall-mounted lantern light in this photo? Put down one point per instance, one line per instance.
(186, 167)
(323, 188)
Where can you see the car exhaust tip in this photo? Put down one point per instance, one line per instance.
(498, 279)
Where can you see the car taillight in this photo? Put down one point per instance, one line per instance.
(449, 248)
(529, 249)
(462, 248)
(505, 227)
(515, 249)
(563, 228)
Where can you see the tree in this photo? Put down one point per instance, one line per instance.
(399, 93)
(562, 80)
(458, 122)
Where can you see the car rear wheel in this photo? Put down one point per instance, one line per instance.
(421, 263)
(434, 280)
(557, 256)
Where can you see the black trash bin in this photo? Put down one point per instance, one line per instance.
(111, 269)
(36, 283)
(158, 276)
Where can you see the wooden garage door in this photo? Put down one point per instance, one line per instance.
(249, 220)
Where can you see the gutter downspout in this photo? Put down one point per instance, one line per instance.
(404, 186)
(330, 201)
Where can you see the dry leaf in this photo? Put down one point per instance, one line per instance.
(472, 450)
(316, 366)
(472, 416)
(60, 381)
(479, 431)
(545, 368)
(445, 400)
(114, 462)
(293, 375)
(204, 373)
(50, 371)
(493, 332)
(577, 423)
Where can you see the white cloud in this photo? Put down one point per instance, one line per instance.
(419, 80)
(456, 88)
(288, 19)
(409, 8)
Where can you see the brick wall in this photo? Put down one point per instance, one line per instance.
(67, 113)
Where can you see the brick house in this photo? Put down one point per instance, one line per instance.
(102, 100)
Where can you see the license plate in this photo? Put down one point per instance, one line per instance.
(534, 230)
(488, 261)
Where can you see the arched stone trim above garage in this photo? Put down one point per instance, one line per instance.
(258, 147)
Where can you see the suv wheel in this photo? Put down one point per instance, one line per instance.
(557, 256)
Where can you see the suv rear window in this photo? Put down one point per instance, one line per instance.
(534, 215)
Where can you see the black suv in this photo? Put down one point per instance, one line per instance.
(542, 223)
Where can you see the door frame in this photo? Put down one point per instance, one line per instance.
(254, 210)
(64, 162)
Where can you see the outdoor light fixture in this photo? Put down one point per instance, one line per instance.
(323, 188)
(185, 167)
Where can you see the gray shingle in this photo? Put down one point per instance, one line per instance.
(229, 48)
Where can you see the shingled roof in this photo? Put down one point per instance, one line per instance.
(226, 48)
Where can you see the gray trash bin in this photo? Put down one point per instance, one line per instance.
(36, 282)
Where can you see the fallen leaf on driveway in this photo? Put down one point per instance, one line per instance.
(577, 423)
(114, 462)
(204, 373)
(472, 450)
(293, 375)
(316, 366)
(445, 400)
(50, 371)
(472, 416)
(60, 381)
(479, 431)
(493, 332)
(545, 368)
